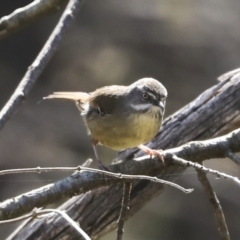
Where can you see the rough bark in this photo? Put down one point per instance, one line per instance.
(213, 113)
(22, 17)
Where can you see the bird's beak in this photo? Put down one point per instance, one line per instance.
(161, 105)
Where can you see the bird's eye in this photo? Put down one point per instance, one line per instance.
(145, 96)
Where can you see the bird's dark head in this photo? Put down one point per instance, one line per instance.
(148, 94)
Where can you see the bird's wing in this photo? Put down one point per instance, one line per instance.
(107, 98)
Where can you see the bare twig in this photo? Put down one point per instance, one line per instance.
(21, 17)
(39, 170)
(39, 63)
(198, 151)
(38, 212)
(72, 185)
(218, 212)
(233, 157)
(68, 219)
(126, 177)
(195, 121)
(18, 219)
(201, 168)
(127, 187)
(127, 171)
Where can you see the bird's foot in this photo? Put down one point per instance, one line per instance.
(99, 163)
(152, 152)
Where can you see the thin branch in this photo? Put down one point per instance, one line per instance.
(77, 183)
(195, 121)
(111, 174)
(38, 212)
(218, 212)
(21, 17)
(68, 219)
(129, 177)
(197, 151)
(127, 187)
(17, 219)
(39, 63)
(39, 170)
(89, 178)
(233, 157)
(201, 168)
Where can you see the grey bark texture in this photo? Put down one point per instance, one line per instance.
(214, 113)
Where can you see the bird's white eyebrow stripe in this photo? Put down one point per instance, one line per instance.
(152, 95)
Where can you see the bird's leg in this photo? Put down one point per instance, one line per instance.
(152, 152)
(99, 163)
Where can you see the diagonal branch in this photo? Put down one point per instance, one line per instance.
(39, 212)
(215, 112)
(218, 212)
(89, 179)
(127, 187)
(80, 182)
(39, 63)
(233, 157)
(201, 168)
(21, 17)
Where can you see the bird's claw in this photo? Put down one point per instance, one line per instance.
(152, 152)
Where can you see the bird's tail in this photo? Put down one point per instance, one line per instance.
(79, 97)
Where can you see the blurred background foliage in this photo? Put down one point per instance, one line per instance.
(185, 44)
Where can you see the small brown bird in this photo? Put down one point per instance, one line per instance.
(121, 117)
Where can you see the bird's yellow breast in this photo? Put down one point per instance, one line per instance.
(119, 134)
(145, 127)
